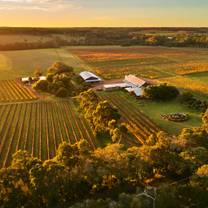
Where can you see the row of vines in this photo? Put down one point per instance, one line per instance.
(13, 91)
(39, 128)
(138, 123)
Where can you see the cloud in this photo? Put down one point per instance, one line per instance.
(42, 5)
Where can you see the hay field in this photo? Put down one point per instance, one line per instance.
(14, 64)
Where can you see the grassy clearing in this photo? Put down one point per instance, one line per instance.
(154, 110)
(15, 64)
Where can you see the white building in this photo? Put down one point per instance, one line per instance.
(115, 86)
(134, 81)
(89, 77)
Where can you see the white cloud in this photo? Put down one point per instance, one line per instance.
(42, 5)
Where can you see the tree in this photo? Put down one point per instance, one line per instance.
(41, 85)
(59, 68)
(161, 92)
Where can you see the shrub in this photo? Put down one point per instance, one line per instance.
(188, 99)
(62, 92)
(160, 92)
(41, 85)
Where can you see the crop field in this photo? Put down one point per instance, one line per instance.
(39, 128)
(138, 123)
(150, 62)
(14, 64)
(13, 91)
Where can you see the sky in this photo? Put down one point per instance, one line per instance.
(104, 13)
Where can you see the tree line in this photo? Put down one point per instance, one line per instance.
(171, 37)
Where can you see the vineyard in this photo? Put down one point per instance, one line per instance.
(138, 123)
(39, 128)
(12, 91)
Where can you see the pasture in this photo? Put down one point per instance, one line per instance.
(14, 64)
(39, 127)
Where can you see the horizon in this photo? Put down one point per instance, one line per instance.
(94, 13)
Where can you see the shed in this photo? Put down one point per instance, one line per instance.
(134, 81)
(115, 86)
(26, 80)
(43, 78)
(89, 77)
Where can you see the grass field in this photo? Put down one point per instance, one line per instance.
(13, 91)
(40, 127)
(154, 110)
(15, 64)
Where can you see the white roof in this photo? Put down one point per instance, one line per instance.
(42, 78)
(87, 75)
(25, 79)
(136, 90)
(134, 80)
(117, 85)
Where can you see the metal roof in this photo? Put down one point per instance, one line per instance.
(89, 75)
(116, 85)
(134, 80)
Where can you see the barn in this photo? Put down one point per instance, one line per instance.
(89, 77)
(134, 81)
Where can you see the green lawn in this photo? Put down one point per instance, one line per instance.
(154, 110)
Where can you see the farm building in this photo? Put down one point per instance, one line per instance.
(134, 81)
(115, 86)
(26, 80)
(136, 91)
(89, 77)
(42, 78)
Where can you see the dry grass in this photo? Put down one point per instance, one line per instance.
(186, 83)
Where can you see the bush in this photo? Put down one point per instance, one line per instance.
(62, 92)
(188, 99)
(41, 85)
(161, 92)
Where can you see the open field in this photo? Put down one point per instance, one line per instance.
(15, 64)
(13, 91)
(173, 65)
(40, 127)
(150, 62)
(177, 66)
(138, 123)
(154, 110)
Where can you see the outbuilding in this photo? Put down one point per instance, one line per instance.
(115, 86)
(134, 81)
(89, 77)
(26, 80)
